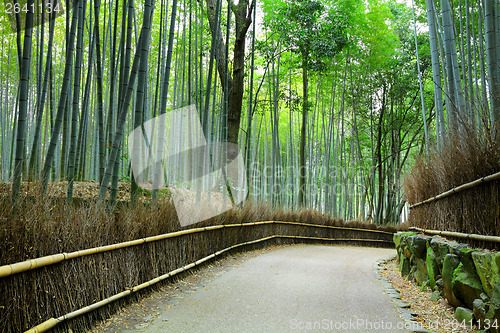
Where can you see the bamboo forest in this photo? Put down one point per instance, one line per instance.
(154, 145)
(330, 102)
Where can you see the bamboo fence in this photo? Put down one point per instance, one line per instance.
(481, 238)
(292, 231)
(472, 209)
(23, 266)
(458, 189)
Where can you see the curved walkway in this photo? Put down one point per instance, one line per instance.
(299, 288)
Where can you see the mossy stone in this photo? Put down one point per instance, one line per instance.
(466, 284)
(493, 309)
(479, 310)
(440, 285)
(406, 252)
(464, 315)
(417, 246)
(421, 272)
(450, 263)
(396, 238)
(455, 247)
(465, 256)
(412, 275)
(435, 296)
(495, 295)
(404, 265)
(432, 267)
(487, 270)
(441, 249)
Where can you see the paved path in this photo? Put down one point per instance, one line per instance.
(298, 288)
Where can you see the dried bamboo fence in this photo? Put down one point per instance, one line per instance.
(472, 208)
(58, 290)
(459, 235)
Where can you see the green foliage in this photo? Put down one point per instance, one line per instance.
(310, 27)
(358, 57)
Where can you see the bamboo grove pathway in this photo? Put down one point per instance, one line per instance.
(297, 288)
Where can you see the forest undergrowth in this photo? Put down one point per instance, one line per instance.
(46, 225)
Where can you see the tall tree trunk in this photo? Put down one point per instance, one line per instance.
(142, 49)
(213, 11)
(380, 166)
(125, 56)
(235, 86)
(420, 82)
(243, 17)
(34, 169)
(139, 109)
(100, 102)
(302, 147)
(457, 107)
(112, 90)
(76, 101)
(491, 59)
(248, 152)
(24, 66)
(81, 152)
(469, 66)
(61, 106)
(436, 73)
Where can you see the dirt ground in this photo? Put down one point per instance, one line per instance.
(436, 316)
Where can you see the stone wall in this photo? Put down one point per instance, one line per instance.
(468, 278)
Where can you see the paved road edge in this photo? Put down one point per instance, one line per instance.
(401, 306)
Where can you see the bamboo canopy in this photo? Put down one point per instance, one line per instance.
(460, 188)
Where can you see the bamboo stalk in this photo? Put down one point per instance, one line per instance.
(460, 188)
(45, 326)
(484, 238)
(338, 239)
(30, 264)
(20, 267)
(52, 322)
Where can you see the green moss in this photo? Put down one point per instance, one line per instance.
(432, 267)
(466, 284)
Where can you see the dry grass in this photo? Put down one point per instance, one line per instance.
(460, 162)
(47, 226)
(475, 210)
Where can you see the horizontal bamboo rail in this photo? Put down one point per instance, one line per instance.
(460, 188)
(23, 266)
(484, 238)
(52, 322)
(337, 239)
(332, 227)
